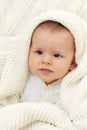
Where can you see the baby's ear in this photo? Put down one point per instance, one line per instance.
(73, 65)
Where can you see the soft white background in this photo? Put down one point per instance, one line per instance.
(16, 14)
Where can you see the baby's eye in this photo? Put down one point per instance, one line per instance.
(56, 55)
(39, 52)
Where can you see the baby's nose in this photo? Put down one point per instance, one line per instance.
(47, 59)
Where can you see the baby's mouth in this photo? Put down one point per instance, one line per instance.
(46, 71)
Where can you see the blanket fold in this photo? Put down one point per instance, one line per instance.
(27, 114)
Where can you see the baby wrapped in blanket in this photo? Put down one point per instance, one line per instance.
(71, 111)
(51, 58)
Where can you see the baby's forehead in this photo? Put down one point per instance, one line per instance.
(43, 37)
(52, 26)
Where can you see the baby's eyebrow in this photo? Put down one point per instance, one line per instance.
(38, 48)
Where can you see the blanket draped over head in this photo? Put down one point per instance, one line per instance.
(71, 112)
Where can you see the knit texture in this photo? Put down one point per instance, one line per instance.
(15, 15)
(71, 112)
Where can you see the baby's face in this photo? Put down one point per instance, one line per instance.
(51, 54)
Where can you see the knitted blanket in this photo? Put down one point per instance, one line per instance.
(71, 112)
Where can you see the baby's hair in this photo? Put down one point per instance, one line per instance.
(53, 25)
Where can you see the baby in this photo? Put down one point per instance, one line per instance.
(51, 57)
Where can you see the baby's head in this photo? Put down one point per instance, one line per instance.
(52, 51)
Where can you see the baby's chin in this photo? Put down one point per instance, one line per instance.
(50, 82)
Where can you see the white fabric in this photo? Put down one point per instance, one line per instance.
(36, 90)
(16, 14)
(71, 113)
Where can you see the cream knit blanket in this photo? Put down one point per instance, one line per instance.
(71, 112)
